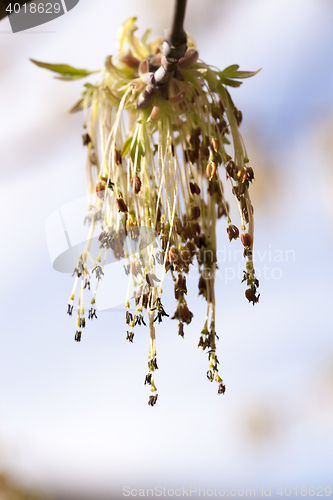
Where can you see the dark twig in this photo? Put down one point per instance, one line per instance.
(174, 48)
(175, 35)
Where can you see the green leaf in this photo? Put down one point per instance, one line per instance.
(77, 107)
(67, 72)
(231, 83)
(211, 79)
(225, 140)
(225, 157)
(230, 69)
(141, 152)
(68, 78)
(132, 148)
(232, 72)
(126, 146)
(245, 74)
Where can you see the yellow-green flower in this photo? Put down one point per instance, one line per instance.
(157, 151)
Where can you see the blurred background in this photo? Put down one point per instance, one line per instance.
(74, 419)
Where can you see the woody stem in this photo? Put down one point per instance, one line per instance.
(174, 46)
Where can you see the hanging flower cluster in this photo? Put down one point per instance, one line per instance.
(156, 159)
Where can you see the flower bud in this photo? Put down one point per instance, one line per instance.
(251, 296)
(122, 207)
(204, 151)
(86, 139)
(194, 188)
(211, 170)
(202, 285)
(192, 247)
(117, 156)
(181, 329)
(246, 240)
(196, 228)
(231, 169)
(180, 285)
(188, 232)
(174, 254)
(239, 117)
(195, 212)
(130, 61)
(248, 174)
(221, 210)
(102, 236)
(214, 144)
(100, 189)
(136, 184)
(190, 58)
(178, 226)
(186, 256)
(186, 314)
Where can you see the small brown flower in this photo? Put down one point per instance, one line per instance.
(233, 232)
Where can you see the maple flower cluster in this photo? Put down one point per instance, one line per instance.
(156, 157)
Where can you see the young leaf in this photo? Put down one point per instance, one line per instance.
(126, 146)
(77, 107)
(66, 72)
(230, 69)
(228, 81)
(245, 74)
(232, 72)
